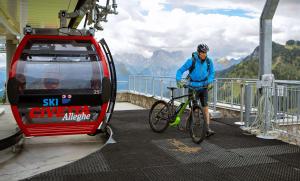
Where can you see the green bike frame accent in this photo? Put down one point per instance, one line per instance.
(177, 120)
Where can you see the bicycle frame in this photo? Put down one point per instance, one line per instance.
(167, 114)
(175, 115)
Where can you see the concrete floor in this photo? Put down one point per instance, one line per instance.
(7, 122)
(124, 106)
(41, 154)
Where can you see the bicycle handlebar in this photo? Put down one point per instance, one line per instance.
(185, 84)
(190, 87)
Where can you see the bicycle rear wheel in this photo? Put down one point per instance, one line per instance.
(197, 125)
(159, 116)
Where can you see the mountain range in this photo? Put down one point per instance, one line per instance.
(285, 63)
(161, 63)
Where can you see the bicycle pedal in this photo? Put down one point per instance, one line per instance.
(209, 134)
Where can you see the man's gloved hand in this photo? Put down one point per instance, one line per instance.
(180, 84)
(209, 86)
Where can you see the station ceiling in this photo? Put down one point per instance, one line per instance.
(16, 14)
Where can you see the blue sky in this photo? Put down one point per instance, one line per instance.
(197, 10)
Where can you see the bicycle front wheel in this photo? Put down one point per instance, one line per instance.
(159, 116)
(197, 125)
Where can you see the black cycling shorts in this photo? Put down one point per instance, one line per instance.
(203, 96)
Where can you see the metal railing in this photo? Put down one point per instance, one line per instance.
(229, 92)
(226, 92)
(235, 94)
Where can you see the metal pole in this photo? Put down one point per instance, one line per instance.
(248, 97)
(242, 103)
(298, 104)
(146, 87)
(130, 83)
(215, 94)
(153, 93)
(134, 84)
(11, 45)
(161, 91)
(275, 102)
(265, 60)
(265, 41)
(268, 110)
(231, 93)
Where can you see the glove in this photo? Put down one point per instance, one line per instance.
(209, 86)
(179, 84)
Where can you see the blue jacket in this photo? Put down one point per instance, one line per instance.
(199, 74)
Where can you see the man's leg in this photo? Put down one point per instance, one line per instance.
(204, 98)
(206, 114)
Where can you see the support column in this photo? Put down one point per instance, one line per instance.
(265, 38)
(265, 47)
(266, 77)
(11, 46)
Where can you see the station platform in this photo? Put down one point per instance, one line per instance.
(9, 132)
(40, 154)
(140, 154)
(8, 125)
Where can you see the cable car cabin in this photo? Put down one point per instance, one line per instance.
(60, 85)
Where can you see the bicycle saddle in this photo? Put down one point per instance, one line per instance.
(171, 88)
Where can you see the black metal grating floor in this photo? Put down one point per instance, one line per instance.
(291, 159)
(190, 172)
(267, 150)
(140, 154)
(265, 172)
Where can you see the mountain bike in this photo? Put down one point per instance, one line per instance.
(163, 114)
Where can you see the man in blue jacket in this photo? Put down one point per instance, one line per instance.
(201, 75)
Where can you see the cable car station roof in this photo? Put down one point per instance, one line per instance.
(16, 14)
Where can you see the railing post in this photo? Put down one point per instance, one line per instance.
(146, 86)
(170, 92)
(242, 97)
(134, 88)
(248, 99)
(267, 111)
(137, 80)
(275, 102)
(298, 104)
(231, 93)
(153, 93)
(215, 94)
(161, 90)
(128, 84)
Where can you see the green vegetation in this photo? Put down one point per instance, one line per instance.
(285, 63)
(3, 98)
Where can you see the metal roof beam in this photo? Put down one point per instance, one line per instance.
(8, 23)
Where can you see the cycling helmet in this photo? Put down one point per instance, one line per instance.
(202, 48)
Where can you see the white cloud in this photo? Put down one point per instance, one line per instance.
(144, 26)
